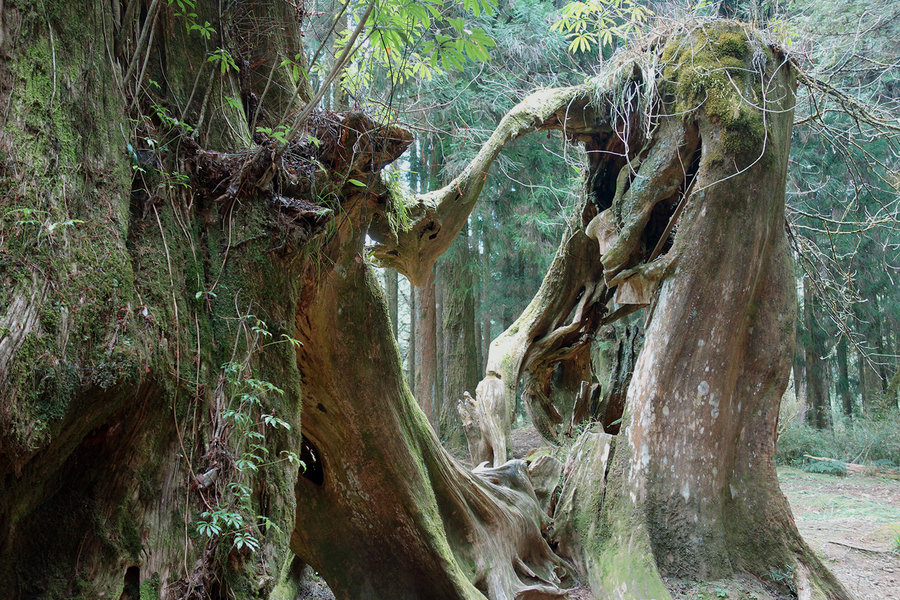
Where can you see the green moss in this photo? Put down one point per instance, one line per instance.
(150, 588)
(732, 43)
(713, 73)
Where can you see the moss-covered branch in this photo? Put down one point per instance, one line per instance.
(438, 216)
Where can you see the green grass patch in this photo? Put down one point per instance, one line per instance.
(865, 441)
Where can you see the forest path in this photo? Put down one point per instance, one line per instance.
(853, 524)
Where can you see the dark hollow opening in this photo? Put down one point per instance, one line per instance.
(132, 590)
(309, 454)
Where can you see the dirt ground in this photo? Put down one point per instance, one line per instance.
(853, 524)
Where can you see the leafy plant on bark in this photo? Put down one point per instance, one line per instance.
(242, 443)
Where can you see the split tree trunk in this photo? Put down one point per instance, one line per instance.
(691, 490)
(384, 511)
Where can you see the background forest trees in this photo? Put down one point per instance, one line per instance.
(842, 196)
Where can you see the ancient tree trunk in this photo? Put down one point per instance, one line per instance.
(125, 292)
(382, 510)
(125, 287)
(691, 490)
(438, 344)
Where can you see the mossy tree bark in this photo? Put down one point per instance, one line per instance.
(691, 490)
(123, 296)
(124, 288)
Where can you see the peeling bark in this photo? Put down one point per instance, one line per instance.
(485, 422)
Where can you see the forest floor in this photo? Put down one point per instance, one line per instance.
(852, 523)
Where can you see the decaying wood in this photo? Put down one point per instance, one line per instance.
(413, 522)
(544, 472)
(473, 426)
(698, 429)
(611, 405)
(580, 502)
(485, 422)
(582, 410)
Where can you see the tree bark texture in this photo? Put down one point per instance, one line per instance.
(426, 340)
(614, 387)
(125, 292)
(413, 522)
(692, 482)
(819, 413)
(111, 417)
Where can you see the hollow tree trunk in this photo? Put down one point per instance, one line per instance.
(611, 406)
(381, 509)
(545, 333)
(691, 490)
